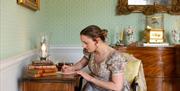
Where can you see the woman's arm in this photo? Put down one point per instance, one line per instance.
(115, 84)
(79, 65)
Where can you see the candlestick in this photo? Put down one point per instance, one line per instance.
(121, 35)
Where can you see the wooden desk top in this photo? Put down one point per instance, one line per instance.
(55, 78)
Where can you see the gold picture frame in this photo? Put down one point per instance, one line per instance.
(31, 4)
(172, 7)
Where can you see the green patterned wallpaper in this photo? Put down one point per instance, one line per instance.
(62, 20)
(19, 28)
(67, 18)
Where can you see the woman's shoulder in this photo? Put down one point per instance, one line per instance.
(115, 56)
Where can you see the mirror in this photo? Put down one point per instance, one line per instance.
(148, 7)
(149, 2)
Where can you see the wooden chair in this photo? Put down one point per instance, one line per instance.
(134, 73)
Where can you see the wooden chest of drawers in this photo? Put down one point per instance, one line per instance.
(161, 66)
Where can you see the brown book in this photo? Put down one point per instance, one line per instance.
(34, 75)
(41, 74)
(40, 71)
(41, 67)
(35, 71)
(49, 70)
(48, 74)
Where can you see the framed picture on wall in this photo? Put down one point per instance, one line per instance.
(31, 4)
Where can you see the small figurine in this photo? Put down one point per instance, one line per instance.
(176, 36)
(129, 35)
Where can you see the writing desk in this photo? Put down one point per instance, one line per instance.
(57, 82)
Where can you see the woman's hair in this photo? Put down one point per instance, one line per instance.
(94, 32)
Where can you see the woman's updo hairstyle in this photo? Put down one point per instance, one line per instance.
(94, 32)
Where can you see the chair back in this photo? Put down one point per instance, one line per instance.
(134, 72)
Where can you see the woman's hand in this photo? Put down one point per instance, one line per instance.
(85, 75)
(67, 68)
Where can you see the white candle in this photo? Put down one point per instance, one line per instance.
(121, 35)
(43, 50)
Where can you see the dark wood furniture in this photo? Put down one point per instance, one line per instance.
(50, 83)
(177, 78)
(161, 66)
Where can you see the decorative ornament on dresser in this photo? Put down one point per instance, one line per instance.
(175, 36)
(129, 32)
(154, 33)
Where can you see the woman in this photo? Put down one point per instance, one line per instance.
(105, 63)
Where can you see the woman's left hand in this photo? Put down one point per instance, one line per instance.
(84, 75)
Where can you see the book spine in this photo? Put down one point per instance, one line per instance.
(41, 67)
(35, 75)
(42, 74)
(34, 71)
(50, 70)
(39, 71)
(48, 74)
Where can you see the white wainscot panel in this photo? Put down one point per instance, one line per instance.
(67, 54)
(11, 70)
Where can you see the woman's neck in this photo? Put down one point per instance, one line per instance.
(103, 49)
(102, 53)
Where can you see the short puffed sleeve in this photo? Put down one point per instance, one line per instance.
(116, 63)
(86, 54)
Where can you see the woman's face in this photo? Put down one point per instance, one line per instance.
(88, 43)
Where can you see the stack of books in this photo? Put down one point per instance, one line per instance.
(41, 70)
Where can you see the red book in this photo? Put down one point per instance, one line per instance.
(41, 74)
(41, 66)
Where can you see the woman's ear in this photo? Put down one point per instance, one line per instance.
(98, 39)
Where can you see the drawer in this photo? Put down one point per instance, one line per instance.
(42, 86)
